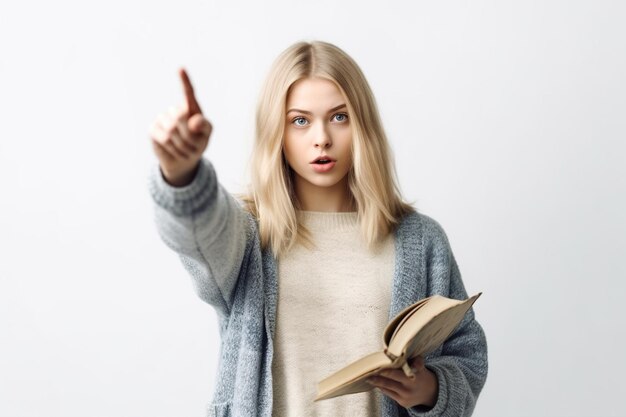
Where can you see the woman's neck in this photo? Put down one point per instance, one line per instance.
(336, 198)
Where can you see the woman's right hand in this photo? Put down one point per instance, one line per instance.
(179, 138)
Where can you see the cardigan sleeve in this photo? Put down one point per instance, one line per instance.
(207, 227)
(461, 367)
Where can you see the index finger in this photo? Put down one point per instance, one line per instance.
(192, 104)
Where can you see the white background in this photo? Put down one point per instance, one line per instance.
(507, 120)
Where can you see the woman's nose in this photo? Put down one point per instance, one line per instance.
(323, 138)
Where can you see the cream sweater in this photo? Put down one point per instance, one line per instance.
(333, 304)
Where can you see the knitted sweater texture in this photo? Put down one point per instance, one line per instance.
(333, 301)
(218, 244)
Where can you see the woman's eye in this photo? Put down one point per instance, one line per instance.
(299, 121)
(341, 117)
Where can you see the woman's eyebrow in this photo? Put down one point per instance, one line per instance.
(308, 112)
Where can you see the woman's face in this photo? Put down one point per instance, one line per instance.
(317, 124)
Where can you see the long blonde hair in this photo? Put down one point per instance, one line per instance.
(372, 178)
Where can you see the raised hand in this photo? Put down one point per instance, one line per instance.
(180, 137)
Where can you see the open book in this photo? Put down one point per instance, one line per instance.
(417, 330)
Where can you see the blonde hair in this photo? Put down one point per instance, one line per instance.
(372, 178)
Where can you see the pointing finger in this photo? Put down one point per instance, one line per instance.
(192, 104)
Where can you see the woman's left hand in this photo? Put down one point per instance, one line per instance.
(422, 389)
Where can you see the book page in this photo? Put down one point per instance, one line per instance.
(427, 328)
(395, 323)
(351, 379)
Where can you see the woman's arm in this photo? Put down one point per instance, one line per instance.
(195, 215)
(207, 227)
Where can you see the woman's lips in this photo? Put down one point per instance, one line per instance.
(323, 167)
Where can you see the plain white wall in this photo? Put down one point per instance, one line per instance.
(507, 120)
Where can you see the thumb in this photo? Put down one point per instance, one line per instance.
(199, 125)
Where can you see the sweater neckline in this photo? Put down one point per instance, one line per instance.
(327, 219)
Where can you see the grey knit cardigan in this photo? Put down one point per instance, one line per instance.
(218, 244)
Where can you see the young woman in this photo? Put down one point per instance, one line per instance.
(306, 269)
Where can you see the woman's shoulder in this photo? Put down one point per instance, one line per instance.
(417, 220)
(426, 229)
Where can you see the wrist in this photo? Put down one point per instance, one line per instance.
(181, 179)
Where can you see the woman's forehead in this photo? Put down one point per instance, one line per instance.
(314, 93)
